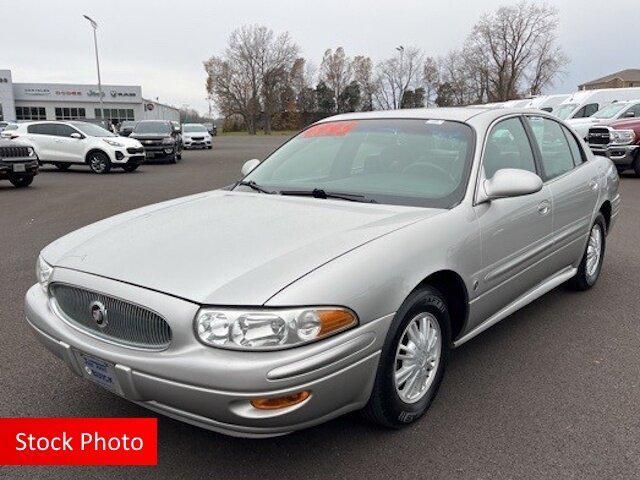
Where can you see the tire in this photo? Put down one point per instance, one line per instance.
(588, 272)
(173, 158)
(394, 404)
(62, 166)
(209, 147)
(179, 155)
(21, 181)
(99, 162)
(130, 167)
(636, 165)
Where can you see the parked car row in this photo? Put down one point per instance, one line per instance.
(27, 145)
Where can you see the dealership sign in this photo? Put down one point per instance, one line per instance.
(77, 93)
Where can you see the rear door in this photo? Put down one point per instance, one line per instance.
(42, 136)
(516, 232)
(573, 183)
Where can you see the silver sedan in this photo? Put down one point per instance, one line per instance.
(337, 275)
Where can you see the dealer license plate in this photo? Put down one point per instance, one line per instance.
(99, 371)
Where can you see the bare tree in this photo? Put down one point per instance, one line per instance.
(246, 78)
(430, 79)
(336, 71)
(397, 74)
(515, 41)
(363, 75)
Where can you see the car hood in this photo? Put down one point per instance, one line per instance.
(128, 142)
(223, 247)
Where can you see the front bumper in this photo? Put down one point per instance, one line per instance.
(18, 166)
(210, 387)
(620, 155)
(188, 143)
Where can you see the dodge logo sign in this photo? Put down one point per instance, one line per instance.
(99, 314)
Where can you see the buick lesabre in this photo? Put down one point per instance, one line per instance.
(337, 275)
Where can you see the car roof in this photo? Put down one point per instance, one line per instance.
(457, 114)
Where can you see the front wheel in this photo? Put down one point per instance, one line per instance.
(591, 263)
(99, 162)
(21, 181)
(413, 360)
(636, 164)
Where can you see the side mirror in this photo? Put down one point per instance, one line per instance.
(249, 165)
(76, 135)
(511, 182)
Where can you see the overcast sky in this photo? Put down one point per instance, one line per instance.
(161, 44)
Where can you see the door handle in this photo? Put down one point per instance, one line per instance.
(544, 207)
(593, 185)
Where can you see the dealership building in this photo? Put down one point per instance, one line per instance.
(62, 101)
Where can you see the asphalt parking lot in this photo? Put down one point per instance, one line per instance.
(551, 392)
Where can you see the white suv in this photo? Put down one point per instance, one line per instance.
(80, 143)
(195, 135)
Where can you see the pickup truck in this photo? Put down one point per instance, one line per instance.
(620, 141)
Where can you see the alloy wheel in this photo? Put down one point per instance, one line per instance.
(417, 357)
(594, 252)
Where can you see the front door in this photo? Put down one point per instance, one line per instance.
(67, 148)
(516, 232)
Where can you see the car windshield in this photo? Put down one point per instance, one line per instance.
(564, 110)
(194, 128)
(152, 127)
(91, 130)
(609, 111)
(395, 161)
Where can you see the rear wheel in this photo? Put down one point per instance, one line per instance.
(21, 181)
(99, 162)
(591, 264)
(413, 360)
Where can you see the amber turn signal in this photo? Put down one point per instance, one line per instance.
(280, 402)
(334, 320)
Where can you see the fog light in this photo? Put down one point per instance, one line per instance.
(280, 402)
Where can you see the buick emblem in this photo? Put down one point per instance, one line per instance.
(99, 314)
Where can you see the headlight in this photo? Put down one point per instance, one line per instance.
(168, 140)
(113, 143)
(622, 137)
(270, 329)
(43, 273)
(32, 152)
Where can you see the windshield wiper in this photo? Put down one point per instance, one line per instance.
(253, 185)
(320, 193)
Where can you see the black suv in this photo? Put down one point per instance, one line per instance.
(18, 163)
(160, 139)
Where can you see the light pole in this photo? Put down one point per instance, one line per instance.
(400, 49)
(95, 44)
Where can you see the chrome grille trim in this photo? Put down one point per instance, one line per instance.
(128, 324)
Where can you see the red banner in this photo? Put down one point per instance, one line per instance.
(78, 441)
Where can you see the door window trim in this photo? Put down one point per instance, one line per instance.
(480, 177)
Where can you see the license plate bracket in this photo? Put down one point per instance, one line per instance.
(99, 371)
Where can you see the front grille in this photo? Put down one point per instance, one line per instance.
(14, 152)
(125, 323)
(197, 139)
(598, 136)
(134, 150)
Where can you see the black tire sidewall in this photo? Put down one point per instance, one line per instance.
(395, 411)
(21, 181)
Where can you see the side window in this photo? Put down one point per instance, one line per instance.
(587, 110)
(576, 151)
(508, 147)
(64, 130)
(554, 149)
(42, 129)
(633, 111)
